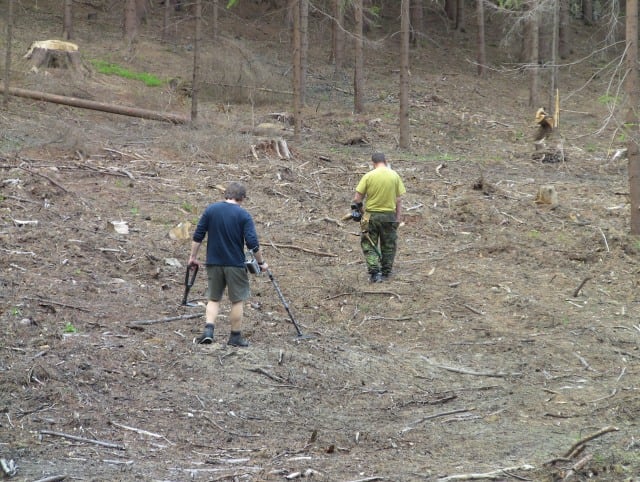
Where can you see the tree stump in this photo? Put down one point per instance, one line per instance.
(55, 54)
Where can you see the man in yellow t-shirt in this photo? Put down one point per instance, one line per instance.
(382, 189)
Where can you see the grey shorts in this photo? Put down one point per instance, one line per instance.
(236, 280)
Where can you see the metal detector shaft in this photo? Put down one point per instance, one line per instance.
(284, 302)
(189, 279)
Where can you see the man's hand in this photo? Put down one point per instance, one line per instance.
(356, 211)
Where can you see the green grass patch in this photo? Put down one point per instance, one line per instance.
(108, 68)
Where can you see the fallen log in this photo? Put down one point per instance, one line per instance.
(93, 105)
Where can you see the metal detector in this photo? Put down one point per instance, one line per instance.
(189, 279)
(286, 307)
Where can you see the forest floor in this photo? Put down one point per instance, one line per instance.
(505, 347)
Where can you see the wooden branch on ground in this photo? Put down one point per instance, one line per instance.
(368, 479)
(306, 250)
(43, 301)
(473, 310)
(586, 439)
(164, 320)
(493, 475)
(465, 371)
(382, 293)
(53, 478)
(57, 184)
(577, 466)
(83, 439)
(266, 374)
(431, 417)
(100, 106)
(228, 431)
(580, 286)
(138, 430)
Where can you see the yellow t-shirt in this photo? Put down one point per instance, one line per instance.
(381, 187)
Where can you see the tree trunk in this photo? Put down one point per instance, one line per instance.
(553, 84)
(131, 22)
(304, 48)
(196, 61)
(337, 34)
(67, 20)
(93, 105)
(405, 136)
(533, 27)
(216, 21)
(165, 20)
(632, 118)
(564, 34)
(417, 22)
(7, 58)
(482, 50)
(297, 69)
(587, 12)
(450, 8)
(460, 18)
(358, 74)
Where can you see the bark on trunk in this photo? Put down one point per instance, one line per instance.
(417, 22)
(337, 37)
(297, 69)
(337, 34)
(304, 48)
(533, 55)
(130, 21)
(564, 35)
(632, 118)
(7, 59)
(482, 51)
(358, 74)
(92, 105)
(67, 21)
(196, 62)
(405, 136)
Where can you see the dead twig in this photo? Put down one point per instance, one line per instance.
(586, 439)
(264, 372)
(306, 250)
(577, 466)
(57, 184)
(45, 302)
(164, 320)
(83, 439)
(436, 415)
(494, 474)
(137, 430)
(473, 310)
(580, 286)
(465, 371)
(228, 431)
(382, 293)
(53, 478)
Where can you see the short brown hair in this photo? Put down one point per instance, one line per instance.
(236, 191)
(378, 157)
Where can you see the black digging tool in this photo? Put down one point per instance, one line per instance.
(286, 307)
(189, 279)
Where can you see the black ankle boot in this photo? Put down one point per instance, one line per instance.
(235, 339)
(207, 337)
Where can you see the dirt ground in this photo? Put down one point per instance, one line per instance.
(505, 347)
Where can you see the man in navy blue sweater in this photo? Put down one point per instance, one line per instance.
(230, 228)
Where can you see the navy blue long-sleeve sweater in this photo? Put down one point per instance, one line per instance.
(230, 228)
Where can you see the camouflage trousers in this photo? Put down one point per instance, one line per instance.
(379, 241)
